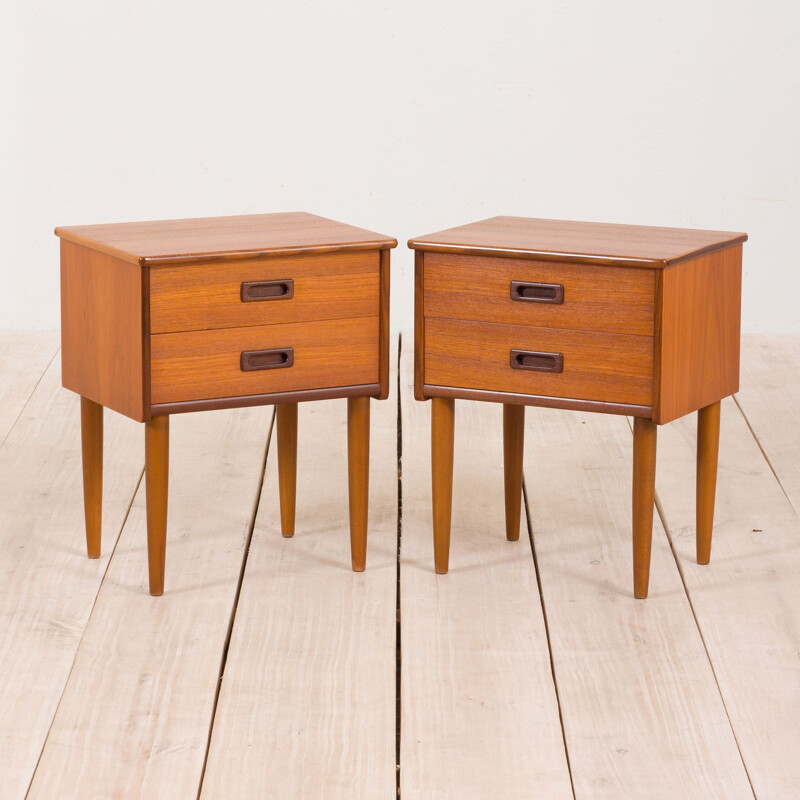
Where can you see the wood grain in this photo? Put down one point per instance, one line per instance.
(516, 398)
(770, 366)
(584, 242)
(358, 478)
(286, 425)
(203, 296)
(607, 367)
(247, 400)
(705, 493)
(479, 711)
(384, 333)
(642, 712)
(698, 347)
(513, 450)
(307, 703)
(92, 460)
(134, 718)
(156, 470)
(609, 299)
(419, 325)
(747, 601)
(198, 365)
(24, 357)
(49, 586)
(442, 443)
(178, 241)
(645, 434)
(103, 329)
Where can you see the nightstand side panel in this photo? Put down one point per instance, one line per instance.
(698, 343)
(384, 337)
(419, 325)
(102, 329)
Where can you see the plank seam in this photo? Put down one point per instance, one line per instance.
(528, 519)
(235, 605)
(398, 640)
(662, 516)
(83, 632)
(28, 399)
(763, 452)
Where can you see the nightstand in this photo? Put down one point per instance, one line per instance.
(159, 318)
(619, 319)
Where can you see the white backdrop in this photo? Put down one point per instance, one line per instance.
(404, 117)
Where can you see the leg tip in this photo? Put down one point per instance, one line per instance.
(359, 567)
(441, 570)
(287, 534)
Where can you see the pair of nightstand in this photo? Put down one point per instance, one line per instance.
(166, 317)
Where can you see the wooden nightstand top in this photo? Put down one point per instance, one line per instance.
(582, 242)
(223, 238)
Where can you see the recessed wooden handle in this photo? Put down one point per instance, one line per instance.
(267, 290)
(278, 358)
(537, 292)
(541, 362)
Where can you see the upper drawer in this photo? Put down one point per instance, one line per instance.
(298, 289)
(589, 298)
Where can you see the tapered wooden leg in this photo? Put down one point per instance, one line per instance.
(513, 446)
(286, 419)
(442, 431)
(156, 466)
(92, 448)
(644, 486)
(707, 455)
(358, 475)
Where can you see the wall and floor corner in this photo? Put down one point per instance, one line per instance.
(412, 117)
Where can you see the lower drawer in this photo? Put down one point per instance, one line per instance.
(604, 367)
(204, 365)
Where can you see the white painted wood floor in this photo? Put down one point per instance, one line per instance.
(270, 670)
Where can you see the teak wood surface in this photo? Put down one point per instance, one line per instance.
(199, 365)
(609, 318)
(104, 330)
(182, 315)
(124, 284)
(202, 296)
(606, 299)
(210, 239)
(584, 242)
(604, 367)
(697, 338)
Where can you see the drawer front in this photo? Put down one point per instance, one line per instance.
(290, 289)
(604, 367)
(203, 365)
(549, 295)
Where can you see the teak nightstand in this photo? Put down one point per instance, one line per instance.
(163, 317)
(619, 319)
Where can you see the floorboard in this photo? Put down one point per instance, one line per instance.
(307, 706)
(108, 692)
(135, 715)
(747, 600)
(642, 713)
(769, 392)
(479, 711)
(24, 357)
(48, 584)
